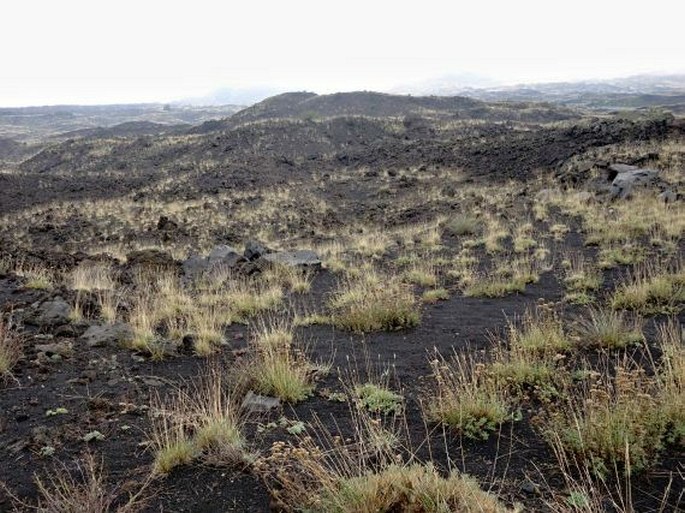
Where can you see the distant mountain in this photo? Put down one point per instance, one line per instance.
(638, 91)
(446, 85)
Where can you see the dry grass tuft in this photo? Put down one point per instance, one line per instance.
(608, 329)
(324, 474)
(373, 302)
(467, 397)
(279, 367)
(201, 420)
(10, 348)
(83, 490)
(652, 289)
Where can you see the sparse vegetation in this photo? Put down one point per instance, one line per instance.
(10, 348)
(652, 289)
(613, 421)
(279, 367)
(608, 329)
(467, 397)
(373, 302)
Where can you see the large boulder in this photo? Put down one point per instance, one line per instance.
(53, 312)
(108, 335)
(627, 178)
(195, 266)
(302, 258)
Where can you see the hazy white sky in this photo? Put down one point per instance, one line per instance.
(89, 51)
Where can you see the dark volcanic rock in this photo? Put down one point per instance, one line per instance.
(255, 249)
(630, 177)
(108, 335)
(53, 312)
(150, 258)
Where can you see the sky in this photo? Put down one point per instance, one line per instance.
(89, 52)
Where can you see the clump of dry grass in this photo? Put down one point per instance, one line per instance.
(508, 277)
(422, 273)
(581, 279)
(279, 367)
(372, 302)
(524, 372)
(612, 421)
(671, 340)
(324, 474)
(462, 225)
(84, 489)
(434, 295)
(608, 329)
(294, 279)
(10, 348)
(36, 277)
(201, 420)
(92, 276)
(652, 289)
(467, 398)
(539, 332)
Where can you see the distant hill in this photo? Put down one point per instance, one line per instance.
(311, 106)
(33, 124)
(639, 91)
(128, 129)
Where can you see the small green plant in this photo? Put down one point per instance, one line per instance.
(378, 400)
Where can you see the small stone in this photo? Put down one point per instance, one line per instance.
(58, 348)
(668, 196)
(254, 403)
(530, 488)
(89, 374)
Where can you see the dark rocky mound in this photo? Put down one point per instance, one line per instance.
(310, 106)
